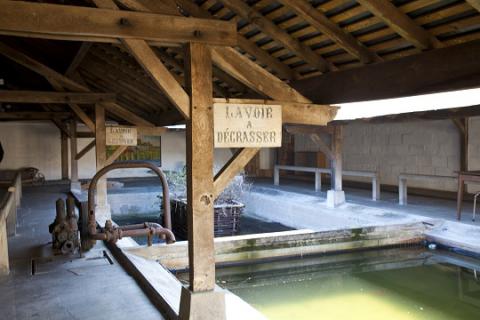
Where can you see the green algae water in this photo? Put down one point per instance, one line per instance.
(400, 284)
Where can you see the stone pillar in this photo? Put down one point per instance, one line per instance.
(336, 196)
(102, 208)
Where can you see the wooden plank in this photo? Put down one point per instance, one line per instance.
(233, 167)
(25, 96)
(85, 150)
(200, 168)
(107, 25)
(34, 115)
(151, 131)
(402, 24)
(319, 21)
(254, 17)
(294, 112)
(114, 156)
(418, 74)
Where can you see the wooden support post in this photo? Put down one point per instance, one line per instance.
(200, 301)
(74, 183)
(336, 196)
(102, 209)
(64, 153)
(4, 263)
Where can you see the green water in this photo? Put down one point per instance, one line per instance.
(398, 284)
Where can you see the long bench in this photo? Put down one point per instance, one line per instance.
(8, 218)
(402, 183)
(318, 176)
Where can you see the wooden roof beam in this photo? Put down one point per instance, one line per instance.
(474, 3)
(402, 24)
(57, 79)
(254, 17)
(107, 25)
(29, 115)
(154, 67)
(250, 47)
(319, 21)
(24, 96)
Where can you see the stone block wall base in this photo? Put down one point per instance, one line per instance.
(208, 305)
(335, 198)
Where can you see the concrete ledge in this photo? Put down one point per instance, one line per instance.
(259, 247)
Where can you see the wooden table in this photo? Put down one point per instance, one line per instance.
(465, 176)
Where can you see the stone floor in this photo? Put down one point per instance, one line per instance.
(91, 287)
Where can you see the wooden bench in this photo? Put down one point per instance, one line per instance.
(318, 176)
(402, 183)
(8, 219)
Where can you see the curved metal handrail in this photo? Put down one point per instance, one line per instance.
(92, 224)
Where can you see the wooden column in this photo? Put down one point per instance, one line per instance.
(4, 263)
(101, 158)
(74, 184)
(64, 154)
(337, 140)
(200, 168)
(200, 300)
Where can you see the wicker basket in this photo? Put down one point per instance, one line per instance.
(226, 218)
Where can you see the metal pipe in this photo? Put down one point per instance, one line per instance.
(111, 234)
(92, 224)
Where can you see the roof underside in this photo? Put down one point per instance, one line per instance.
(110, 68)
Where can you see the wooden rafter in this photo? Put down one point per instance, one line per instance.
(56, 78)
(236, 164)
(117, 153)
(106, 25)
(250, 47)
(402, 24)
(254, 17)
(24, 96)
(319, 21)
(154, 67)
(85, 150)
(474, 3)
(77, 60)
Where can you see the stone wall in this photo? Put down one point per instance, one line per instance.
(37, 144)
(418, 147)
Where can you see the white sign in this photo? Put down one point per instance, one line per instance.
(121, 136)
(247, 125)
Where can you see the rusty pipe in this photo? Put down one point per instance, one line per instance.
(110, 234)
(92, 223)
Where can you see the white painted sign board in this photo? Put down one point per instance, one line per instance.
(247, 125)
(121, 136)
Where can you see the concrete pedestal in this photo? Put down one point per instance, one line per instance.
(76, 187)
(335, 198)
(207, 305)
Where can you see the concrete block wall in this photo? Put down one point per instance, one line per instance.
(37, 144)
(418, 147)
